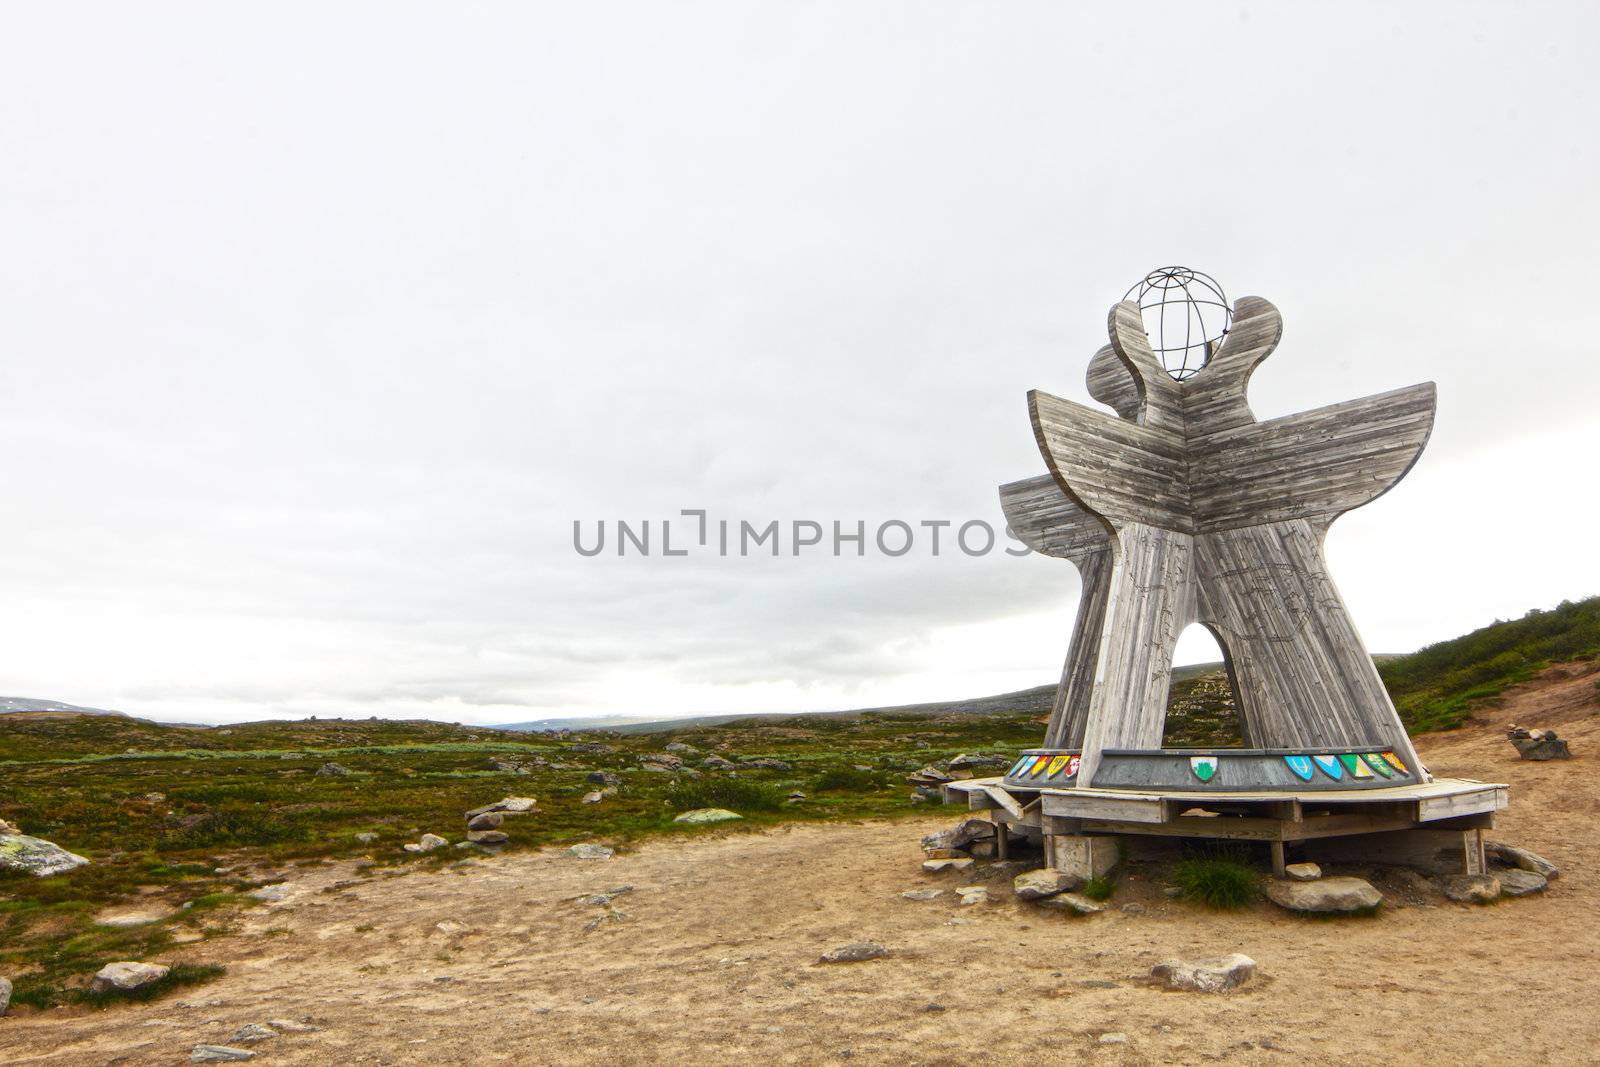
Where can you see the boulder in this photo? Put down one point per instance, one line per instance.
(1472, 888)
(5, 994)
(366, 838)
(590, 852)
(1519, 883)
(126, 976)
(1540, 749)
(966, 760)
(855, 952)
(1206, 976)
(593, 797)
(940, 866)
(1303, 872)
(717, 763)
(765, 763)
(332, 770)
(707, 816)
(973, 894)
(122, 920)
(1072, 903)
(1325, 896)
(682, 749)
(1042, 883)
(922, 894)
(960, 835)
(603, 778)
(271, 894)
(1521, 858)
(19, 852)
(929, 775)
(429, 842)
(488, 837)
(219, 1054)
(489, 820)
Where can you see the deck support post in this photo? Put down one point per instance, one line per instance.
(1277, 859)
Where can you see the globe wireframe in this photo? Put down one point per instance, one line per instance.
(1185, 315)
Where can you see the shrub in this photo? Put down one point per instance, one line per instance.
(1217, 881)
(842, 779)
(736, 794)
(1099, 887)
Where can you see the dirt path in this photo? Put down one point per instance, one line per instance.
(716, 959)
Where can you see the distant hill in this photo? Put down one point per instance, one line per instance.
(29, 704)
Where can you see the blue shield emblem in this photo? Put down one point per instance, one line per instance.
(1330, 766)
(1301, 766)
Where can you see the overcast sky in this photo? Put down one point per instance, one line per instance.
(320, 324)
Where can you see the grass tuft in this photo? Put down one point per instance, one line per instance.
(735, 794)
(1100, 887)
(1217, 881)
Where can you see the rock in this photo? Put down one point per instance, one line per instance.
(1521, 858)
(593, 797)
(855, 952)
(1042, 883)
(1519, 883)
(451, 928)
(1113, 1039)
(508, 805)
(960, 835)
(1325, 896)
(766, 763)
(986, 849)
(1303, 872)
(366, 838)
(9, 830)
(682, 749)
(19, 852)
(332, 770)
(250, 1033)
(795, 797)
(125, 919)
(965, 760)
(929, 775)
(219, 1054)
(707, 816)
(922, 894)
(605, 778)
(717, 763)
(5, 994)
(973, 894)
(489, 820)
(289, 1026)
(1206, 976)
(939, 866)
(127, 975)
(593, 747)
(1133, 909)
(590, 852)
(1074, 903)
(1472, 888)
(488, 837)
(1541, 748)
(271, 894)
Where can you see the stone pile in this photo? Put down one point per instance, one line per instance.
(1538, 745)
(956, 848)
(483, 824)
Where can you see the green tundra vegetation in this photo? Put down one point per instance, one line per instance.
(188, 820)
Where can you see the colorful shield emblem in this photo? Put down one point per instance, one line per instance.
(1056, 763)
(1394, 761)
(1350, 763)
(1358, 768)
(1072, 765)
(1301, 766)
(1019, 767)
(1039, 764)
(1330, 766)
(1375, 761)
(1204, 767)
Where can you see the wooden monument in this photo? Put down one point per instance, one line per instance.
(1182, 507)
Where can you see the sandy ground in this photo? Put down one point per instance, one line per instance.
(716, 959)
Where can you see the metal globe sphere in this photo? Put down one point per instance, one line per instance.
(1185, 315)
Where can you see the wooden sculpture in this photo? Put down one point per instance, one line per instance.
(1183, 508)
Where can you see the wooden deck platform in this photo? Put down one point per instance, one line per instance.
(1445, 804)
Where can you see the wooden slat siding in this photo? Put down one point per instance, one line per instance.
(1162, 394)
(1126, 808)
(1049, 521)
(1151, 600)
(1218, 398)
(1003, 799)
(1111, 383)
(1122, 472)
(1069, 717)
(1314, 465)
(1448, 807)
